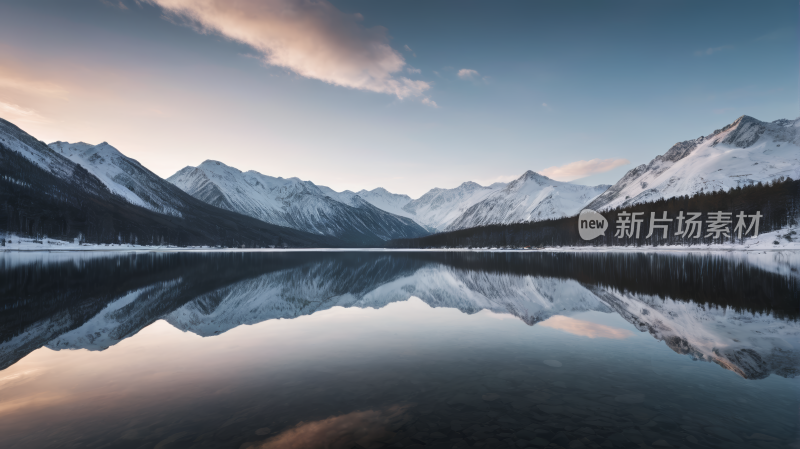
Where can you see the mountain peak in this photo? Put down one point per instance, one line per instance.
(530, 197)
(294, 203)
(744, 131)
(469, 185)
(742, 153)
(531, 175)
(740, 122)
(218, 168)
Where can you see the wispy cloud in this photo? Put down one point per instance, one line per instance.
(580, 169)
(429, 102)
(468, 74)
(711, 50)
(14, 112)
(472, 75)
(780, 33)
(585, 328)
(17, 80)
(309, 37)
(410, 69)
(119, 4)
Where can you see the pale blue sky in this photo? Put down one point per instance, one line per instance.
(553, 83)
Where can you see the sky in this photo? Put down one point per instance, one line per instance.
(405, 95)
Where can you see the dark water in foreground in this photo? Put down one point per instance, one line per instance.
(374, 350)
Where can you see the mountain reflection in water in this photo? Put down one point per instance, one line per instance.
(739, 311)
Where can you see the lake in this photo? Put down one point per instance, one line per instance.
(399, 350)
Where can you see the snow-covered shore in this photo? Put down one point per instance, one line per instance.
(766, 241)
(15, 243)
(783, 240)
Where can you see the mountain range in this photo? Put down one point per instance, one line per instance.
(94, 193)
(531, 197)
(292, 203)
(745, 152)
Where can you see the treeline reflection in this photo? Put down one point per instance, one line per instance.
(73, 288)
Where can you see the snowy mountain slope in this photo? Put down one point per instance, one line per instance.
(751, 345)
(379, 197)
(745, 152)
(345, 197)
(530, 197)
(123, 176)
(39, 154)
(69, 201)
(34, 150)
(438, 208)
(385, 200)
(292, 203)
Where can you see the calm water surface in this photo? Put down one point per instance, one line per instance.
(379, 350)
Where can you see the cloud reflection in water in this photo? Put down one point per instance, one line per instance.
(584, 328)
(343, 431)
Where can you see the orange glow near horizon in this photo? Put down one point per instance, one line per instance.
(583, 328)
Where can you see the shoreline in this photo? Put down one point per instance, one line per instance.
(571, 249)
(788, 238)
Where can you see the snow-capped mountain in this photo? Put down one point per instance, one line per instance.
(380, 198)
(530, 197)
(123, 176)
(745, 152)
(95, 193)
(388, 201)
(36, 152)
(120, 174)
(292, 203)
(440, 207)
